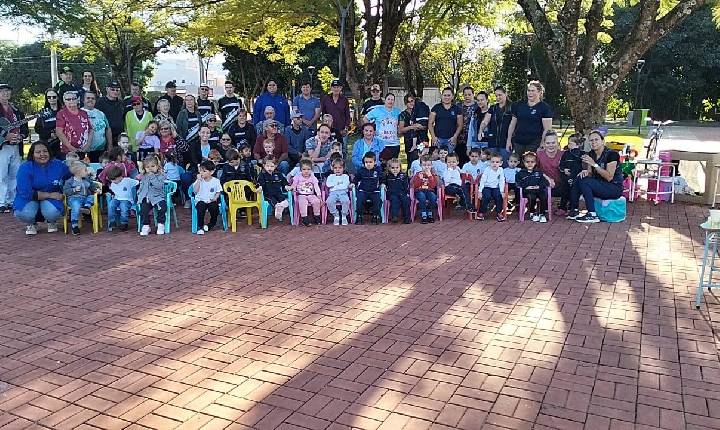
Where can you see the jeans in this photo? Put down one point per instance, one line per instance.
(9, 163)
(590, 188)
(28, 214)
(362, 198)
(146, 208)
(494, 194)
(400, 202)
(459, 191)
(335, 198)
(427, 200)
(284, 167)
(123, 206)
(212, 207)
(75, 203)
(186, 179)
(446, 142)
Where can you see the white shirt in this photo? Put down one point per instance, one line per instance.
(439, 167)
(337, 183)
(208, 190)
(415, 167)
(474, 169)
(452, 176)
(123, 189)
(492, 179)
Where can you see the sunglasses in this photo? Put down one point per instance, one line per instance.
(114, 89)
(71, 99)
(225, 138)
(89, 98)
(136, 104)
(51, 97)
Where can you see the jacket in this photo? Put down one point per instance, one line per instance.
(422, 182)
(376, 147)
(368, 180)
(572, 160)
(152, 187)
(273, 186)
(243, 172)
(296, 139)
(33, 177)
(397, 185)
(526, 179)
(183, 125)
(114, 110)
(278, 102)
(78, 187)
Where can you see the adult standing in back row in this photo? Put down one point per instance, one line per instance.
(338, 107)
(446, 121)
(531, 119)
(271, 97)
(229, 106)
(176, 102)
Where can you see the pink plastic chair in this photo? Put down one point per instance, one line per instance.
(524, 202)
(440, 198)
(324, 210)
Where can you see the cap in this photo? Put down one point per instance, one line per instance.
(136, 99)
(204, 85)
(5, 87)
(295, 114)
(375, 87)
(269, 123)
(212, 118)
(113, 84)
(66, 69)
(336, 83)
(170, 84)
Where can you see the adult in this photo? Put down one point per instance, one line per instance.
(89, 83)
(548, 162)
(473, 135)
(468, 107)
(200, 148)
(229, 106)
(412, 125)
(205, 105)
(268, 114)
(494, 127)
(102, 135)
(337, 105)
(368, 143)
(318, 147)
(39, 189)
(12, 148)
(271, 97)
(446, 121)
(171, 143)
(531, 119)
(602, 178)
(136, 121)
(374, 100)
(280, 148)
(176, 102)
(241, 131)
(385, 119)
(296, 134)
(215, 131)
(308, 106)
(113, 108)
(189, 120)
(66, 83)
(45, 123)
(73, 126)
(163, 112)
(135, 91)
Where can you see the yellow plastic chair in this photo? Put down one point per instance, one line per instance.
(94, 212)
(238, 200)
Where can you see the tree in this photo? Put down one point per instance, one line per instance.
(571, 45)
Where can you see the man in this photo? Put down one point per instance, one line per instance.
(269, 113)
(280, 150)
(11, 150)
(337, 105)
(412, 125)
(66, 83)
(176, 102)
(135, 91)
(114, 110)
(215, 133)
(296, 134)
(205, 105)
(229, 106)
(374, 100)
(308, 106)
(102, 134)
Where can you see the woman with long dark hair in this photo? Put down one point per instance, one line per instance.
(494, 127)
(45, 124)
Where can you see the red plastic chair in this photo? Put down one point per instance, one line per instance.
(524, 202)
(505, 195)
(440, 198)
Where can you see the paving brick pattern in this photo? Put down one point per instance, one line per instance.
(454, 325)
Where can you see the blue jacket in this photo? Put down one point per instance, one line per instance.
(277, 101)
(33, 177)
(359, 151)
(368, 180)
(296, 140)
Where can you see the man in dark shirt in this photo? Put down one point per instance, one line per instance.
(338, 106)
(66, 84)
(176, 102)
(135, 91)
(374, 100)
(205, 105)
(229, 105)
(113, 108)
(296, 134)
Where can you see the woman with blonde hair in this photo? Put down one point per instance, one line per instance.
(531, 119)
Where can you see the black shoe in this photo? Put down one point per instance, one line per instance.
(4, 209)
(424, 220)
(75, 230)
(588, 218)
(573, 214)
(318, 220)
(374, 220)
(431, 219)
(305, 221)
(359, 221)
(123, 227)
(394, 220)
(407, 221)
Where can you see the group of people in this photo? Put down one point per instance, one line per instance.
(180, 135)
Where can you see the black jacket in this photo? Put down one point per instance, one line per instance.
(114, 110)
(526, 178)
(243, 172)
(368, 180)
(273, 186)
(397, 185)
(571, 159)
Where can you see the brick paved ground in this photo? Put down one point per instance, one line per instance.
(453, 325)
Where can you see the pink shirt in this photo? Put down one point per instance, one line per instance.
(550, 166)
(75, 126)
(306, 186)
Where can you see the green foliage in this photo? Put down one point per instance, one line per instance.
(325, 76)
(617, 107)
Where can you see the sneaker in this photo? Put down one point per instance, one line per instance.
(500, 218)
(430, 219)
(317, 219)
(160, 229)
(535, 217)
(344, 220)
(30, 230)
(479, 216)
(374, 220)
(75, 230)
(52, 227)
(4, 209)
(145, 230)
(542, 219)
(394, 220)
(200, 232)
(206, 227)
(336, 220)
(278, 216)
(187, 204)
(588, 218)
(305, 221)
(573, 214)
(407, 221)
(123, 227)
(424, 220)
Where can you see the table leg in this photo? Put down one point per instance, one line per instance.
(701, 281)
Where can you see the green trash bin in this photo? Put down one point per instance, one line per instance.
(639, 116)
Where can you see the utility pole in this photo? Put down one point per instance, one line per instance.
(200, 62)
(53, 65)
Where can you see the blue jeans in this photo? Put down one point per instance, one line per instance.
(590, 188)
(28, 214)
(124, 207)
(494, 194)
(284, 167)
(75, 203)
(427, 200)
(400, 202)
(446, 142)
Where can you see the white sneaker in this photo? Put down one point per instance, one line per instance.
(145, 230)
(344, 220)
(278, 216)
(187, 204)
(542, 218)
(206, 228)
(336, 220)
(52, 227)
(160, 229)
(535, 217)
(30, 230)
(200, 232)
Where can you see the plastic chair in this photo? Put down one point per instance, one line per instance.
(524, 202)
(94, 212)
(466, 178)
(193, 210)
(325, 209)
(237, 196)
(296, 207)
(134, 207)
(265, 209)
(384, 205)
(505, 195)
(414, 202)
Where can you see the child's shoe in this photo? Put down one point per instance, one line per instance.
(500, 218)
(317, 220)
(145, 230)
(200, 232)
(424, 220)
(30, 230)
(336, 220)
(510, 207)
(206, 227)
(542, 219)
(123, 227)
(75, 230)
(52, 227)
(431, 219)
(160, 229)
(479, 216)
(374, 220)
(535, 217)
(305, 221)
(344, 220)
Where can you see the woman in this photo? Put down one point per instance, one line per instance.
(200, 148)
(136, 120)
(163, 113)
(548, 162)
(271, 97)
(602, 178)
(369, 143)
(446, 121)
(531, 119)
(39, 189)
(495, 124)
(476, 121)
(171, 142)
(241, 131)
(385, 119)
(280, 147)
(189, 120)
(89, 84)
(45, 124)
(468, 108)
(73, 126)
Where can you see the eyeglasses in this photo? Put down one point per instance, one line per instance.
(70, 99)
(225, 139)
(114, 89)
(51, 97)
(136, 104)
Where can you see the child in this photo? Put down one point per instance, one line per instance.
(454, 185)
(80, 192)
(308, 192)
(534, 187)
(475, 166)
(207, 190)
(424, 183)
(338, 184)
(215, 157)
(439, 164)
(274, 186)
(510, 172)
(121, 188)
(148, 141)
(415, 166)
(151, 194)
(296, 170)
(236, 168)
(396, 185)
(119, 158)
(172, 171)
(70, 158)
(335, 152)
(570, 166)
(367, 183)
(492, 184)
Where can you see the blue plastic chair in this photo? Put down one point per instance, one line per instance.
(170, 188)
(223, 211)
(266, 209)
(383, 214)
(135, 207)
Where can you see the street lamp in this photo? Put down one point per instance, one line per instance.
(638, 68)
(311, 71)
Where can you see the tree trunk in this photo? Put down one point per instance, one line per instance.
(412, 74)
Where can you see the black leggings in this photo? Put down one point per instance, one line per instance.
(146, 209)
(211, 207)
(534, 196)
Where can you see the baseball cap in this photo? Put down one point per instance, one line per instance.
(113, 84)
(171, 84)
(204, 85)
(66, 69)
(375, 87)
(336, 83)
(136, 99)
(5, 87)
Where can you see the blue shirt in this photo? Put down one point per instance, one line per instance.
(307, 107)
(529, 127)
(360, 148)
(278, 102)
(445, 120)
(33, 177)
(386, 124)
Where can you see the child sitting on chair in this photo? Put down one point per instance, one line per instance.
(534, 185)
(274, 186)
(148, 141)
(118, 157)
(424, 184)
(367, 185)
(570, 166)
(236, 168)
(415, 166)
(121, 188)
(207, 190)
(475, 166)
(397, 188)
(510, 172)
(338, 183)
(452, 179)
(334, 154)
(440, 164)
(80, 192)
(308, 192)
(151, 194)
(492, 185)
